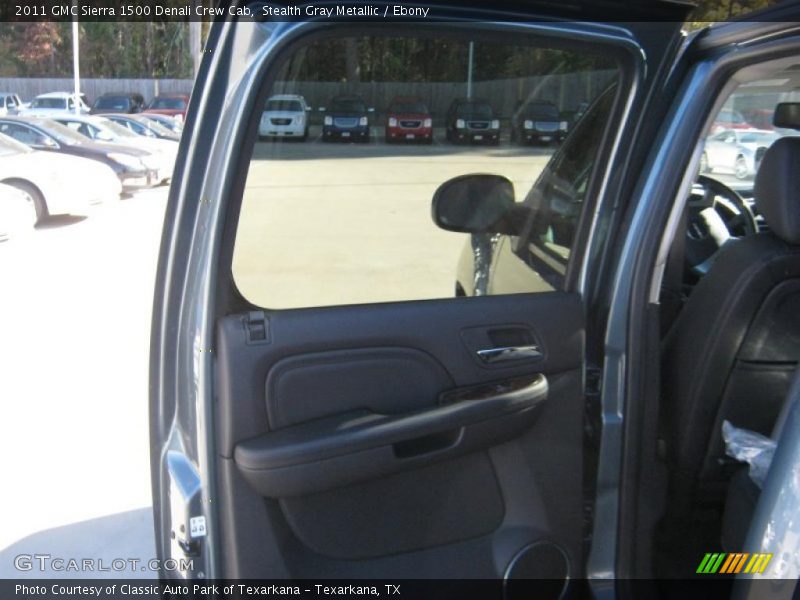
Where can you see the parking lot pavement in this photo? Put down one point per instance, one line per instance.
(330, 223)
(75, 314)
(75, 317)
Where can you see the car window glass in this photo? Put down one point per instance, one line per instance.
(743, 130)
(152, 128)
(9, 146)
(23, 134)
(136, 127)
(55, 103)
(343, 214)
(61, 133)
(284, 105)
(474, 109)
(168, 104)
(540, 111)
(117, 129)
(96, 133)
(409, 107)
(113, 103)
(124, 124)
(348, 105)
(556, 200)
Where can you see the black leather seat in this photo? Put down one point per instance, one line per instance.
(735, 345)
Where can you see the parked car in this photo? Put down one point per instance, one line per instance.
(17, 213)
(102, 130)
(737, 151)
(10, 104)
(472, 120)
(538, 122)
(759, 118)
(142, 125)
(118, 103)
(571, 117)
(172, 105)
(728, 118)
(55, 102)
(347, 120)
(170, 123)
(57, 183)
(284, 116)
(408, 119)
(132, 166)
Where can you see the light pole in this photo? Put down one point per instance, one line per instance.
(194, 45)
(76, 68)
(469, 70)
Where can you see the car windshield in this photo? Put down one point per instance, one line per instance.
(113, 102)
(10, 146)
(409, 107)
(61, 133)
(49, 103)
(117, 129)
(475, 109)
(153, 126)
(540, 111)
(356, 106)
(164, 121)
(284, 105)
(168, 103)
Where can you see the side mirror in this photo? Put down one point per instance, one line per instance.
(476, 204)
(45, 142)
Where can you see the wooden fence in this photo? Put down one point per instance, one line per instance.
(566, 91)
(28, 88)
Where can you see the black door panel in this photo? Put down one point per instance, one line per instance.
(366, 441)
(356, 445)
(431, 328)
(383, 380)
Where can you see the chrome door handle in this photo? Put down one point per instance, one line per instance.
(493, 355)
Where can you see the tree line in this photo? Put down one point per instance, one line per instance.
(107, 50)
(162, 50)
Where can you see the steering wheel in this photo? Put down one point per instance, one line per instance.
(716, 217)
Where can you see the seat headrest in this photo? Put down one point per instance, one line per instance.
(777, 189)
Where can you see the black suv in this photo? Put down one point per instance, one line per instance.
(347, 120)
(472, 120)
(537, 122)
(118, 103)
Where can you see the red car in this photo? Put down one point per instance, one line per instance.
(173, 105)
(760, 118)
(408, 119)
(729, 119)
